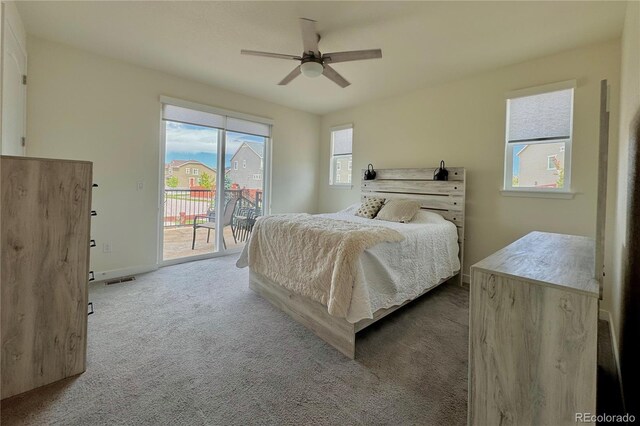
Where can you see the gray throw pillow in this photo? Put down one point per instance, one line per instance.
(370, 207)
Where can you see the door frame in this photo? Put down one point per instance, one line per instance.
(266, 185)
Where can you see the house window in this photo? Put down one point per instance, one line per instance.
(244, 164)
(235, 165)
(257, 176)
(341, 147)
(350, 165)
(187, 170)
(196, 172)
(538, 138)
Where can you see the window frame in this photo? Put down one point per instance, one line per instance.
(332, 158)
(508, 188)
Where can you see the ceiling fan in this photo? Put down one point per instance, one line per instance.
(312, 62)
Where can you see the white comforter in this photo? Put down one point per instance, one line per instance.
(389, 274)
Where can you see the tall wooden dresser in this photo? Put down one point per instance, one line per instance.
(44, 241)
(533, 332)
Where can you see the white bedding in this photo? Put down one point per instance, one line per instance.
(389, 274)
(392, 273)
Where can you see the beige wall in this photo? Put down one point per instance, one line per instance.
(463, 122)
(629, 105)
(84, 106)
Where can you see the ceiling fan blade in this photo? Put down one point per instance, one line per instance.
(293, 74)
(354, 55)
(269, 54)
(309, 36)
(333, 75)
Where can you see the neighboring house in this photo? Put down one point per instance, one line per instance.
(539, 165)
(188, 172)
(247, 166)
(343, 170)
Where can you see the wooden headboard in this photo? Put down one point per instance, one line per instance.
(446, 198)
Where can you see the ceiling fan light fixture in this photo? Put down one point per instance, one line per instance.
(311, 69)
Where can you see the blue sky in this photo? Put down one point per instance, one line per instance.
(189, 142)
(516, 159)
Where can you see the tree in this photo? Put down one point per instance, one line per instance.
(206, 181)
(172, 181)
(227, 182)
(515, 181)
(560, 169)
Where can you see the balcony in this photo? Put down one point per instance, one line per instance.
(183, 206)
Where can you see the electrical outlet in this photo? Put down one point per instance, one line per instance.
(140, 186)
(106, 247)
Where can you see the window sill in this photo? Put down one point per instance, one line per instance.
(568, 195)
(334, 186)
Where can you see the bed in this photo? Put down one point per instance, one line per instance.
(405, 262)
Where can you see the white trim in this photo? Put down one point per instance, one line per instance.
(204, 256)
(507, 184)
(215, 110)
(540, 193)
(220, 195)
(266, 176)
(333, 184)
(124, 272)
(545, 88)
(466, 278)
(341, 127)
(606, 316)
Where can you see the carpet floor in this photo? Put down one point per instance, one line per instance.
(192, 345)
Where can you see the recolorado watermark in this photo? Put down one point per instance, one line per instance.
(604, 418)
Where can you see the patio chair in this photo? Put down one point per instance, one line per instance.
(243, 222)
(211, 222)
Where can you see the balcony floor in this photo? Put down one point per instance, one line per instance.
(177, 242)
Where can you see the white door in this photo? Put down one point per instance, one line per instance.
(14, 94)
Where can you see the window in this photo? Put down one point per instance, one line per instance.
(244, 164)
(235, 165)
(538, 139)
(196, 172)
(187, 170)
(341, 156)
(257, 176)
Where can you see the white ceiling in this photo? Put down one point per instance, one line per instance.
(423, 43)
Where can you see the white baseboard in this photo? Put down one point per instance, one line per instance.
(606, 316)
(466, 278)
(125, 272)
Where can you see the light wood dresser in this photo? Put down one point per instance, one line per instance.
(533, 315)
(44, 241)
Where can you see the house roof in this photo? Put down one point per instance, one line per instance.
(256, 147)
(178, 163)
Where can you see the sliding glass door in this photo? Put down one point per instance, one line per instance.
(215, 168)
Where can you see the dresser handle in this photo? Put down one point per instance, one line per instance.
(92, 243)
(95, 185)
(94, 213)
(92, 276)
(91, 308)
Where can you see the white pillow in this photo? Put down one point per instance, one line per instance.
(398, 210)
(351, 209)
(424, 216)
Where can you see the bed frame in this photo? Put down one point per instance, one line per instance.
(444, 197)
